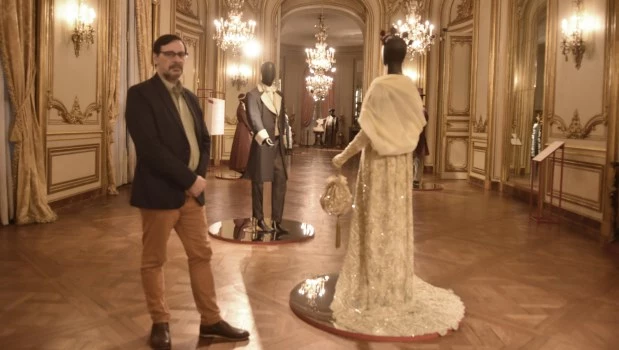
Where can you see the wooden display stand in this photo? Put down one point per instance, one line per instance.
(538, 164)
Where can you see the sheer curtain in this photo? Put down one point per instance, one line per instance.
(113, 89)
(7, 206)
(130, 74)
(139, 62)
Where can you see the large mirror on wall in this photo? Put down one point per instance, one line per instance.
(321, 122)
(528, 50)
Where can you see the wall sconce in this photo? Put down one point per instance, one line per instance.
(411, 74)
(239, 74)
(573, 30)
(81, 17)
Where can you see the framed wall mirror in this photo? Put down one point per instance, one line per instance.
(528, 50)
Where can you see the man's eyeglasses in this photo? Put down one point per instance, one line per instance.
(171, 54)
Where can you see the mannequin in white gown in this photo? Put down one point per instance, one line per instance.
(377, 291)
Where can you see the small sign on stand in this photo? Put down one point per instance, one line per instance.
(546, 159)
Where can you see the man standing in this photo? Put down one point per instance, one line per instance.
(173, 146)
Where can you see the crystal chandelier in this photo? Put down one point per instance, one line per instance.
(318, 85)
(320, 58)
(232, 33)
(418, 35)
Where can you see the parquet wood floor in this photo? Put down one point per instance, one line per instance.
(75, 284)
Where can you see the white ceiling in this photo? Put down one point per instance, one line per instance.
(298, 28)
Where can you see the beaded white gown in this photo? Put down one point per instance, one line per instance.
(377, 291)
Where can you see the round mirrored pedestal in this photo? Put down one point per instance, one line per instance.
(227, 175)
(310, 301)
(244, 231)
(428, 186)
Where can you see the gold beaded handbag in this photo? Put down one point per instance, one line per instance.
(336, 200)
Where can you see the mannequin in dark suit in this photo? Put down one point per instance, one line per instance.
(266, 156)
(173, 150)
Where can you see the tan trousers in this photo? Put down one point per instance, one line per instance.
(189, 222)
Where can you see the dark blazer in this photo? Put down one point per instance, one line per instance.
(422, 146)
(262, 157)
(161, 173)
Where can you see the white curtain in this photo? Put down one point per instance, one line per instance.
(7, 206)
(124, 150)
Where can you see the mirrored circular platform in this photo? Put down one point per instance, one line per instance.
(227, 175)
(428, 186)
(245, 231)
(310, 301)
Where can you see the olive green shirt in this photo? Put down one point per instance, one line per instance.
(187, 121)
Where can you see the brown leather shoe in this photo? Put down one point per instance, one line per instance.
(223, 330)
(160, 336)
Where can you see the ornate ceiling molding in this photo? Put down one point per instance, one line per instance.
(464, 10)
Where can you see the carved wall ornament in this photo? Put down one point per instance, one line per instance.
(481, 125)
(190, 41)
(185, 7)
(576, 130)
(254, 4)
(464, 9)
(75, 116)
(394, 5)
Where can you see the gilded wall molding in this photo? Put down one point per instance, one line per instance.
(449, 166)
(575, 130)
(464, 10)
(253, 4)
(480, 126)
(185, 7)
(55, 152)
(394, 5)
(190, 41)
(75, 116)
(459, 41)
(598, 169)
(474, 169)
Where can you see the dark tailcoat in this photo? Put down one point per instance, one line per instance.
(422, 146)
(262, 157)
(161, 174)
(239, 154)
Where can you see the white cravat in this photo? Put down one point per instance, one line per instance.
(272, 102)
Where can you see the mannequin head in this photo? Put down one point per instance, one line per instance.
(394, 51)
(267, 71)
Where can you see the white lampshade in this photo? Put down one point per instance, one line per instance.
(215, 115)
